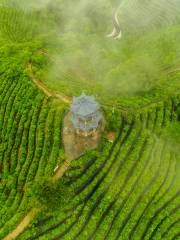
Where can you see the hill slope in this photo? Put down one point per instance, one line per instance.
(128, 189)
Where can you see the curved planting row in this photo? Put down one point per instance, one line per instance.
(15, 24)
(127, 191)
(134, 13)
(30, 143)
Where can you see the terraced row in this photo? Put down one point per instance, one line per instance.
(129, 190)
(30, 143)
(138, 15)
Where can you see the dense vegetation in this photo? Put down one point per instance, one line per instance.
(128, 189)
(30, 139)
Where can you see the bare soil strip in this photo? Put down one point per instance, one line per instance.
(46, 90)
(62, 169)
(116, 33)
(23, 224)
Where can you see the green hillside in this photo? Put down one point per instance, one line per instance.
(125, 189)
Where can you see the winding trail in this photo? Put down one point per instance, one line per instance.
(62, 169)
(116, 33)
(46, 90)
(23, 224)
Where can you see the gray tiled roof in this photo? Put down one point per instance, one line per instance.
(84, 105)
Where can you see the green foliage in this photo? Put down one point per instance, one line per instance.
(126, 189)
(136, 175)
(27, 151)
(172, 132)
(51, 195)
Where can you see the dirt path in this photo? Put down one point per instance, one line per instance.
(46, 90)
(62, 169)
(116, 33)
(23, 224)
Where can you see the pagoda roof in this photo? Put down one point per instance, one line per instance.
(84, 105)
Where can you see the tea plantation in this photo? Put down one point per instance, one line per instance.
(126, 189)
